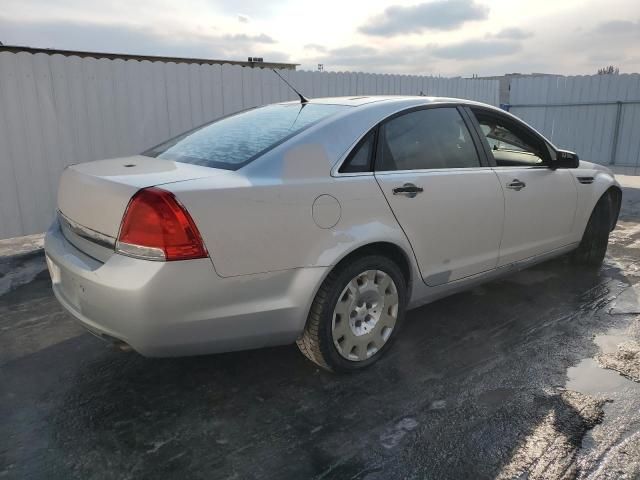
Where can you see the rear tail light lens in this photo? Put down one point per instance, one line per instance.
(156, 226)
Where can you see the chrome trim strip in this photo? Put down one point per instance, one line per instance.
(479, 168)
(137, 251)
(86, 233)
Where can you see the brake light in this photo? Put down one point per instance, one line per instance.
(156, 226)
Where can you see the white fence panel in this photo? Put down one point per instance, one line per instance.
(597, 116)
(57, 110)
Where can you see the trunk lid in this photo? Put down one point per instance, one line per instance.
(95, 195)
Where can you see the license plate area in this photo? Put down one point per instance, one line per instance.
(67, 284)
(70, 288)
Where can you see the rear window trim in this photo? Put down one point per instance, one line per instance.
(238, 166)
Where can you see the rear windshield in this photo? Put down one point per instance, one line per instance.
(234, 141)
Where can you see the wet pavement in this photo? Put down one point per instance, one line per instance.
(504, 381)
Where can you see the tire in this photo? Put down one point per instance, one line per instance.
(355, 307)
(595, 240)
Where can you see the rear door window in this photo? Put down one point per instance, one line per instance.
(431, 138)
(234, 141)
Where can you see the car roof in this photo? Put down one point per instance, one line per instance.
(356, 101)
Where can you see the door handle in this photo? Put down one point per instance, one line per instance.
(516, 185)
(408, 189)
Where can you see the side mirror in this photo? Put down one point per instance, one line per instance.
(565, 159)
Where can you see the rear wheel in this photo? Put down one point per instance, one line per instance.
(355, 314)
(595, 240)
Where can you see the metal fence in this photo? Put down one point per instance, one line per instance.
(597, 116)
(57, 110)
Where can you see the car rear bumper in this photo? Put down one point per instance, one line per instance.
(178, 308)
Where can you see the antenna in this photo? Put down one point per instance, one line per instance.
(303, 99)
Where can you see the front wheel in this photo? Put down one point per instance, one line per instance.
(593, 247)
(355, 314)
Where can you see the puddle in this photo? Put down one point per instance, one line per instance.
(590, 378)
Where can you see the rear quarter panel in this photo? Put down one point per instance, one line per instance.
(265, 222)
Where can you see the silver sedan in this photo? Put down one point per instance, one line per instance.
(318, 222)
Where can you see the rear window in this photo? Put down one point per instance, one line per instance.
(234, 141)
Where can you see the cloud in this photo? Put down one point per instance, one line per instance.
(416, 58)
(132, 39)
(607, 58)
(363, 57)
(513, 33)
(252, 8)
(437, 15)
(243, 18)
(316, 47)
(477, 49)
(358, 57)
(243, 38)
(619, 27)
(353, 51)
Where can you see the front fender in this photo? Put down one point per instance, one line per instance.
(592, 182)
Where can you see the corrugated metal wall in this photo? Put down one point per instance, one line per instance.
(57, 110)
(562, 108)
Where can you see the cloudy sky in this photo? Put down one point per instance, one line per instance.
(434, 37)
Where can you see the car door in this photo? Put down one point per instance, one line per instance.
(448, 203)
(540, 202)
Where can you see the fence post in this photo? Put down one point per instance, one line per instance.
(616, 133)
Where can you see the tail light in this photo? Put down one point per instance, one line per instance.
(156, 226)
